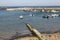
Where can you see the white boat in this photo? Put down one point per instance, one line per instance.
(35, 10)
(21, 17)
(51, 16)
(54, 11)
(31, 15)
(54, 15)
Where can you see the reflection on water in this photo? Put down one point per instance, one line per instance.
(11, 23)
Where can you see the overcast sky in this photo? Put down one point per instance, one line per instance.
(29, 2)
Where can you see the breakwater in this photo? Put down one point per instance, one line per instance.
(40, 9)
(31, 9)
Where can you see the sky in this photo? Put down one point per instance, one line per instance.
(29, 2)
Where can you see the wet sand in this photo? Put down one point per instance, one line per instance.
(55, 36)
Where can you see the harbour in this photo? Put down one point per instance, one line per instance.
(12, 21)
(29, 19)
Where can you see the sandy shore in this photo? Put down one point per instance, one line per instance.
(55, 36)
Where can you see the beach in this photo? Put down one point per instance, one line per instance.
(55, 36)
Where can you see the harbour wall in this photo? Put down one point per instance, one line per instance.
(31, 9)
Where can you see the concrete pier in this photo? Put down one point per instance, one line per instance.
(33, 9)
(40, 9)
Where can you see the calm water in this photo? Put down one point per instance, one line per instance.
(10, 22)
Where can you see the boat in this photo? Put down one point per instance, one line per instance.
(31, 15)
(51, 16)
(54, 11)
(54, 15)
(21, 17)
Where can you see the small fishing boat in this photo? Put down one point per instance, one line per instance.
(31, 15)
(21, 17)
(54, 15)
(51, 16)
